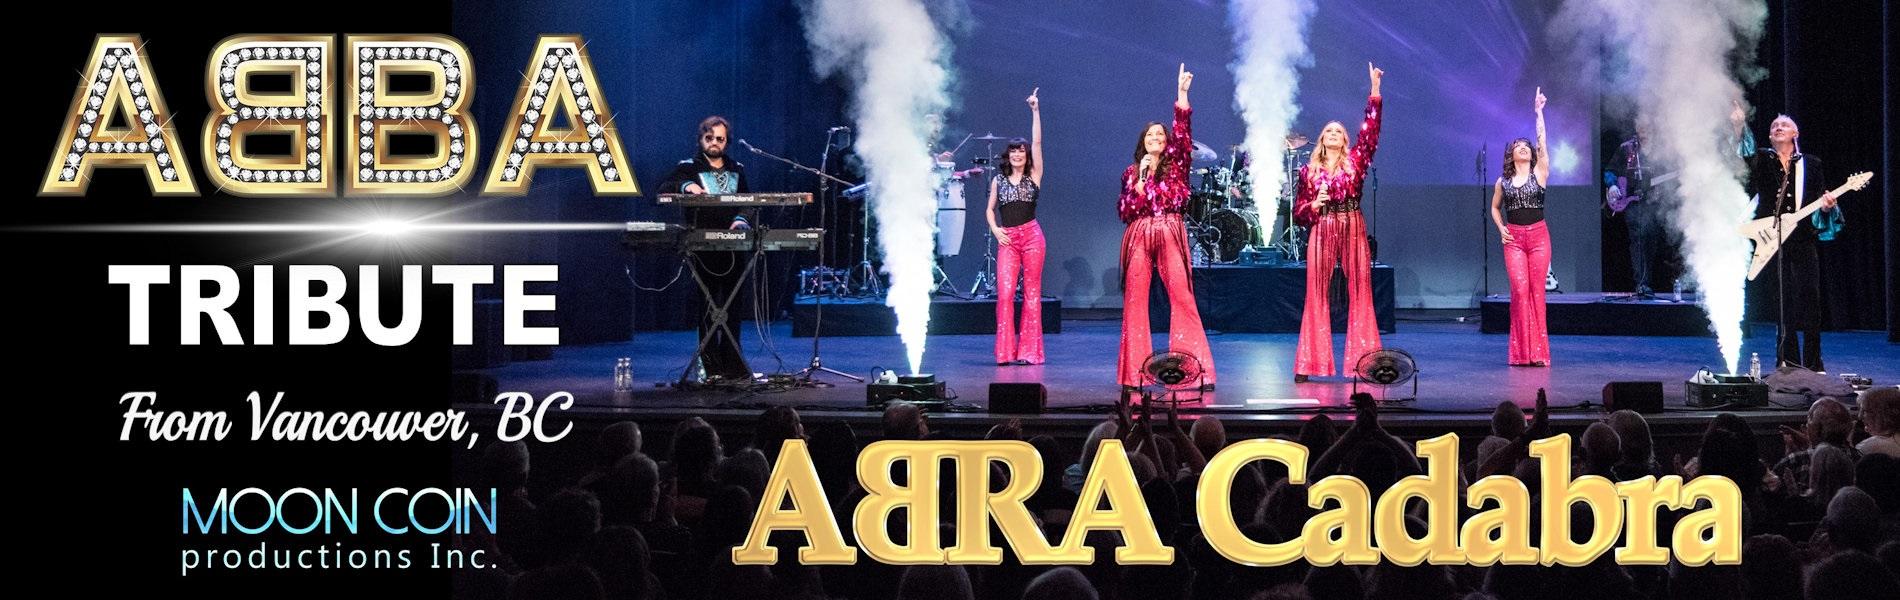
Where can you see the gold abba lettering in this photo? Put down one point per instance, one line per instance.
(119, 119)
(1344, 533)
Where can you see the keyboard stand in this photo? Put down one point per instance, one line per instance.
(719, 310)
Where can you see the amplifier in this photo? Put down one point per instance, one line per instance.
(1726, 391)
(1639, 396)
(923, 389)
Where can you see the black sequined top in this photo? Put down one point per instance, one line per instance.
(1523, 204)
(1016, 202)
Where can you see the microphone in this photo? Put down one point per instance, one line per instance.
(748, 145)
(839, 128)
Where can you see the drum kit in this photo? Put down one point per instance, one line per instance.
(1223, 221)
(952, 217)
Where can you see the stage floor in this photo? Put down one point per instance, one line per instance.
(1462, 374)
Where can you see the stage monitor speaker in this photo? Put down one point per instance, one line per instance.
(1640, 396)
(1018, 398)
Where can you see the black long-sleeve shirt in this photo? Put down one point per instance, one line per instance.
(729, 180)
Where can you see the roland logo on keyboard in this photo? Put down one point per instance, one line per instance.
(721, 234)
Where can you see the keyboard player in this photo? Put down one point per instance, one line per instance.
(711, 171)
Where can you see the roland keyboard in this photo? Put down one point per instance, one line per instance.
(735, 200)
(647, 235)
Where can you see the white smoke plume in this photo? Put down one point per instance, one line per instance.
(895, 56)
(1270, 40)
(1678, 65)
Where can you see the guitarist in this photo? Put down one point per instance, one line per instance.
(1784, 180)
(1633, 178)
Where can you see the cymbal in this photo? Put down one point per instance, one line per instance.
(989, 137)
(1203, 152)
(1295, 140)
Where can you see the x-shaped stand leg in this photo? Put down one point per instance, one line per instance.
(718, 311)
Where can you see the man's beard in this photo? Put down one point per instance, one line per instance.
(712, 153)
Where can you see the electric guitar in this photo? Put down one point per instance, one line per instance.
(1769, 232)
(1619, 199)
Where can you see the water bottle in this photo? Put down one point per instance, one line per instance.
(623, 375)
(1678, 289)
(1754, 366)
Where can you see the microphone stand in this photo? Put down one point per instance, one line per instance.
(824, 179)
(1372, 173)
(1781, 268)
(804, 376)
(1484, 213)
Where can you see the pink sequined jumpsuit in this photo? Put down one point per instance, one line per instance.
(1016, 203)
(1156, 239)
(1527, 254)
(1338, 236)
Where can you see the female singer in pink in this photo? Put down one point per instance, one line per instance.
(1517, 207)
(1019, 244)
(1154, 195)
(1328, 203)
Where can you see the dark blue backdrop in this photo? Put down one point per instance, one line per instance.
(1459, 78)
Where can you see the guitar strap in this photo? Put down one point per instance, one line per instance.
(1800, 181)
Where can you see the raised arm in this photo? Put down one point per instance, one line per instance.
(1738, 127)
(1368, 142)
(1182, 81)
(1180, 150)
(1035, 137)
(1504, 461)
(1543, 149)
(1363, 435)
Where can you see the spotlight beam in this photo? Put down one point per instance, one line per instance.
(384, 227)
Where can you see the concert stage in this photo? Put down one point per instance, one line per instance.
(845, 317)
(1232, 299)
(1607, 314)
(1463, 376)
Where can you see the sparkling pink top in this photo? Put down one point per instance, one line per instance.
(1347, 185)
(1167, 191)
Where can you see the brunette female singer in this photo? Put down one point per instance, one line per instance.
(1328, 202)
(1019, 244)
(1154, 195)
(1517, 206)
